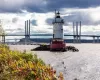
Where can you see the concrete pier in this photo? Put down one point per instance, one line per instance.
(97, 39)
(27, 31)
(93, 39)
(3, 39)
(77, 32)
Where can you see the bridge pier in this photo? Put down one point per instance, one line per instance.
(79, 39)
(27, 31)
(74, 39)
(3, 39)
(77, 32)
(93, 39)
(97, 39)
(0, 39)
(15, 41)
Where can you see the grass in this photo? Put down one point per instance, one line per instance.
(15, 65)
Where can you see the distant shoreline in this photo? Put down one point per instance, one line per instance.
(48, 40)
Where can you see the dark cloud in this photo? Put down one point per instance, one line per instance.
(14, 20)
(19, 5)
(78, 16)
(34, 22)
(32, 8)
(58, 4)
(49, 21)
(45, 5)
(84, 17)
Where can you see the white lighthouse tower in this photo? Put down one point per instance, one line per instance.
(57, 43)
(58, 26)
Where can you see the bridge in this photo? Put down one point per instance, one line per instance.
(51, 35)
(76, 33)
(76, 38)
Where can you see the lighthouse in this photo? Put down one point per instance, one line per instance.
(57, 42)
(58, 26)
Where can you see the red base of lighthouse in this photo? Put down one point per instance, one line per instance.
(57, 44)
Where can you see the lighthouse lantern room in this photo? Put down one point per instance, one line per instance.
(57, 43)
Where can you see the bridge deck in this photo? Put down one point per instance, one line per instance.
(52, 35)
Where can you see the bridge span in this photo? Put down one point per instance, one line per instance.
(76, 38)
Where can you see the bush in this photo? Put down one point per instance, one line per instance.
(15, 65)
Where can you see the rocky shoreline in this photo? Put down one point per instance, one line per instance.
(47, 48)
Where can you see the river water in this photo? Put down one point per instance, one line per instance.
(83, 65)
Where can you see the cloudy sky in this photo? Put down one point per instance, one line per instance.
(13, 13)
